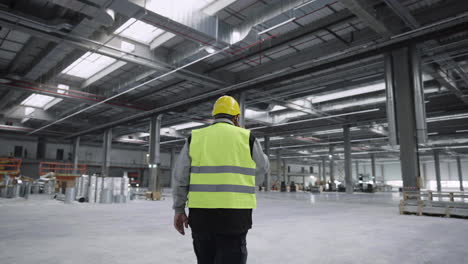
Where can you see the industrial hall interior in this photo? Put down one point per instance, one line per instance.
(348, 143)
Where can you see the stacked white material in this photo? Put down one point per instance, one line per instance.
(116, 186)
(78, 183)
(49, 187)
(98, 189)
(107, 183)
(92, 189)
(125, 183)
(84, 186)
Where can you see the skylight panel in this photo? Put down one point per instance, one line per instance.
(37, 100)
(138, 31)
(169, 9)
(88, 65)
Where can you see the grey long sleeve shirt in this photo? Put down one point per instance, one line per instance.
(181, 172)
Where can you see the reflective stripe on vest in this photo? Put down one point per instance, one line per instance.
(222, 174)
(221, 188)
(223, 169)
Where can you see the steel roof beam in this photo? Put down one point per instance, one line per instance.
(306, 55)
(111, 47)
(6, 98)
(444, 28)
(273, 44)
(445, 80)
(285, 39)
(90, 9)
(197, 26)
(442, 59)
(87, 98)
(364, 11)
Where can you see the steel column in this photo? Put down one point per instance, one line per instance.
(347, 162)
(424, 175)
(400, 72)
(242, 109)
(373, 168)
(41, 148)
(382, 170)
(76, 148)
(390, 93)
(285, 170)
(420, 106)
(107, 145)
(437, 170)
(324, 170)
(332, 166)
(278, 164)
(154, 154)
(267, 181)
(320, 172)
(357, 169)
(460, 175)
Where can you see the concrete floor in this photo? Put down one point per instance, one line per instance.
(288, 228)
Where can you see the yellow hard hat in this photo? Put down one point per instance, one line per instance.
(226, 105)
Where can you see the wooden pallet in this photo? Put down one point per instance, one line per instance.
(422, 203)
(155, 196)
(430, 195)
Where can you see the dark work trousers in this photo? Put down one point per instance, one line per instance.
(215, 248)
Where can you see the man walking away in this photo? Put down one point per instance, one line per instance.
(217, 172)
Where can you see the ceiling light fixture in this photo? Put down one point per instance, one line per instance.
(447, 117)
(172, 141)
(304, 4)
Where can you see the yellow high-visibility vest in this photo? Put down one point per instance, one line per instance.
(222, 171)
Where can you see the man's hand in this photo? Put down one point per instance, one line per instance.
(180, 220)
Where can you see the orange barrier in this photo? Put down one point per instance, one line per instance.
(61, 169)
(10, 166)
(64, 172)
